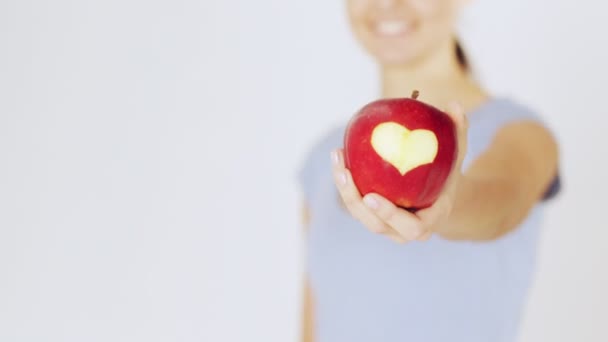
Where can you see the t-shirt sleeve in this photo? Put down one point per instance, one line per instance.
(306, 174)
(523, 113)
(554, 188)
(316, 164)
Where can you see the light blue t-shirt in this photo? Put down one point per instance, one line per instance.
(368, 288)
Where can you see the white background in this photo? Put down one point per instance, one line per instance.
(148, 152)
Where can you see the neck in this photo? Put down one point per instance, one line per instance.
(439, 78)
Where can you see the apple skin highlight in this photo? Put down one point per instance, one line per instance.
(419, 187)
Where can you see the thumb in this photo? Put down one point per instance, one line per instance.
(456, 112)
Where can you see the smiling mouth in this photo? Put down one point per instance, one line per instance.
(391, 28)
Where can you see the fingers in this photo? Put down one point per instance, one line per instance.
(456, 112)
(458, 116)
(352, 199)
(381, 216)
(405, 223)
(377, 213)
(426, 236)
(396, 237)
(437, 214)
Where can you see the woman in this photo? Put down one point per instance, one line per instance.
(460, 269)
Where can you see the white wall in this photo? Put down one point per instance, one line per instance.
(147, 154)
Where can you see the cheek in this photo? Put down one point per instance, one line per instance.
(357, 16)
(437, 16)
(434, 7)
(357, 10)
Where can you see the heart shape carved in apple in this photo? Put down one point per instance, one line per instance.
(403, 148)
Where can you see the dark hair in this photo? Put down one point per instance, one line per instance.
(461, 56)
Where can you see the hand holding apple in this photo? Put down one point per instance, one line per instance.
(402, 149)
(381, 215)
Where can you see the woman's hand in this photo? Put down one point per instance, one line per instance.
(381, 216)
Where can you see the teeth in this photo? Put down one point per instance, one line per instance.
(392, 28)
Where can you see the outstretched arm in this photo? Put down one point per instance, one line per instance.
(500, 188)
(490, 199)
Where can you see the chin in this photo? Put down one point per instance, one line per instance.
(393, 51)
(393, 58)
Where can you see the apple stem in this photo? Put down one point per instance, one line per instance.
(415, 94)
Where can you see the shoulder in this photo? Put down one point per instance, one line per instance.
(324, 144)
(496, 114)
(316, 161)
(328, 140)
(499, 111)
(508, 119)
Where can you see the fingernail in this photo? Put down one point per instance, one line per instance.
(334, 157)
(370, 202)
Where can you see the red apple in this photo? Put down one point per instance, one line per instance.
(402, 149)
